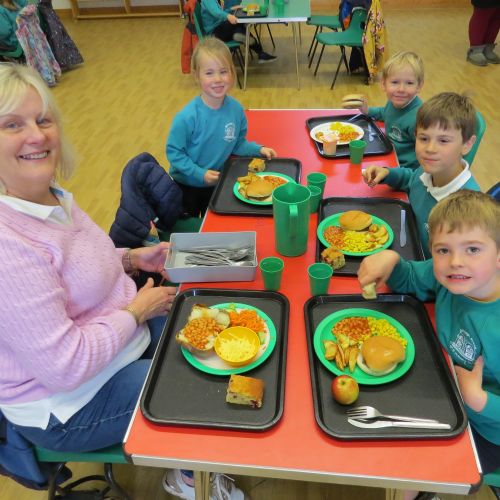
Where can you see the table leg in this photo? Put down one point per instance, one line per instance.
(247, 50)
(294, 30)
(202, 485)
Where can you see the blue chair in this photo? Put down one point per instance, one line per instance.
(480, 129)
(107, 456)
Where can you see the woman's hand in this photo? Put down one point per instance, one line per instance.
(211, 177)
(268, 152)
(152, 301)
(150, 259)
(377, 268)
(374, 174)
(471, 385)
(232, 19)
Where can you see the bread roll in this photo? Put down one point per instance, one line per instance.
(259, 189)
(353, 101)
(382, 353)
(369, 292)
(355, 220)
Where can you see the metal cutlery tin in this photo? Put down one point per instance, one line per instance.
(181, 243)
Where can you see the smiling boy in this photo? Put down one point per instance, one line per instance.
(445, 133)
(463, 277)
(402, 80)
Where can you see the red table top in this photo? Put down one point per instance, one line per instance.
(296, 447)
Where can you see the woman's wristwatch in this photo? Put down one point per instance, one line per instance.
(127, 262)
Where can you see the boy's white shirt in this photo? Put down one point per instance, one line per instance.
(439, 193)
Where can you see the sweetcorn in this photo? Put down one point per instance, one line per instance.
(345, 132)
(355, 241)
(383, 328)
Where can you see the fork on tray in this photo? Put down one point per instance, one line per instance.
(369, 412)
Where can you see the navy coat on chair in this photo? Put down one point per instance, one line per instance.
(148, 194)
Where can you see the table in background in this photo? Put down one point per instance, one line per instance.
(296, 448)
(293, 11)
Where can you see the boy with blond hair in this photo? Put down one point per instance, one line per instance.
(402, 80)
(445, 133)
(463, 277)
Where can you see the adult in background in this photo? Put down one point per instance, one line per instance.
(483, 30)
(76, 335)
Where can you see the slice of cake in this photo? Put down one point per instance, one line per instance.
(333, 257)
(245, 391)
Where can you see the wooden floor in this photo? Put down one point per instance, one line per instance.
(122, 100)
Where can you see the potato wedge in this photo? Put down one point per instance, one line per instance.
(353, 356)
(383, 239)
(339, 360)
(330, 349)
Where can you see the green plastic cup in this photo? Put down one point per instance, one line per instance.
(317, 179)
(291, 214)
(319, 277)
(272, 271)
(316, 195)
(356, 151)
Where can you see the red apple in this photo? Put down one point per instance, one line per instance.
(345, 390)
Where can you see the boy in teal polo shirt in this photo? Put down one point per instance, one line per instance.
(463, 277)
(445, 133)
(402, 80)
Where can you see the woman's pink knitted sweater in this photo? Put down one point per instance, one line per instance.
(62, 289)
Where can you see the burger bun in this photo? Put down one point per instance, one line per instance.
(259, 189)
(380, 355)
(355, 220)
(353, 101)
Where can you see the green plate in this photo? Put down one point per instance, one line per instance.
(333, 220)
(324, 332)
(260, 174)
(216, 366)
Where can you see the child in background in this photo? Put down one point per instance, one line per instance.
(463, 278)
(219, 21)
(211, 128)
(445, 132)
(8, 15)
(402, 80)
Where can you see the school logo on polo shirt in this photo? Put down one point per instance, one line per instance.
(229, 132)
(464, 349)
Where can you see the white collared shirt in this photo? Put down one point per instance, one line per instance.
(60, 214)
(439, 193)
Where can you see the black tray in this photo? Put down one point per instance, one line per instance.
(177, 393)
(427, 390)
(224, 201)
(377, 143)
(388, 209)
(240, 13)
